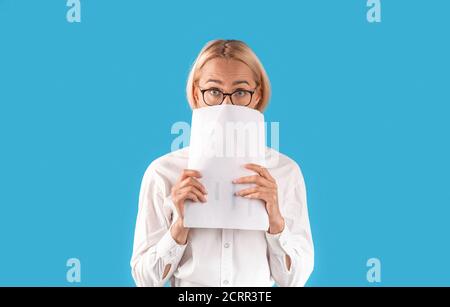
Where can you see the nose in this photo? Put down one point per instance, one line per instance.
(227, 100)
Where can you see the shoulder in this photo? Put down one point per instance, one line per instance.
(169, 160)
(165, 170)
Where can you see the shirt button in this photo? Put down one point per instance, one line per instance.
(225, 282)
(226, 245)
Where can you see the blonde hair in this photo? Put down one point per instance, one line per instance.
(230, 49)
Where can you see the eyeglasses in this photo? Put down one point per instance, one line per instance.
(214, 96)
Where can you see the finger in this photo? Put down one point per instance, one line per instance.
(255, 179)
(191, 181)
(187, 195)
(262, 171)
(256, 195)
(191, 189)
(266, 197)
(248, 191)
(252, 190)
(190, 173)
(191, 196)
(254, 167)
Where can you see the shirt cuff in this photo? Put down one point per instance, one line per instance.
(168, 249)
(279, 243)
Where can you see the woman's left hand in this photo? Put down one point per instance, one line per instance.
(266, 189)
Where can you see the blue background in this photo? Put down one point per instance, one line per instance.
(363, 108)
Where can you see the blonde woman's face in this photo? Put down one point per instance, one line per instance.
(227, 76)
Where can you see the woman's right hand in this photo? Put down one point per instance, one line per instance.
(187, 187)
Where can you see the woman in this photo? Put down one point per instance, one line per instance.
(225, 71)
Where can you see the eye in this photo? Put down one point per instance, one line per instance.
(240, 93)
(214, 92)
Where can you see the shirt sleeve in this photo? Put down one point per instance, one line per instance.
(295, 240)
(154, 248)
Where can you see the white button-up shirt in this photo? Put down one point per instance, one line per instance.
(220, 257)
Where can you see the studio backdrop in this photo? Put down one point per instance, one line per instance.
(91, 92)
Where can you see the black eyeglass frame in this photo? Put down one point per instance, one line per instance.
(227, 94)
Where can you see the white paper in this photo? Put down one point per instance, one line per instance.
(223, 139)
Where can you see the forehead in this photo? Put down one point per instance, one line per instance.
(226, 70)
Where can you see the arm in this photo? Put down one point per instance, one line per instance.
(291, 252)
(160, 241)
(156, 253)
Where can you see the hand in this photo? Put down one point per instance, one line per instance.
(187, 187)
(266, 189)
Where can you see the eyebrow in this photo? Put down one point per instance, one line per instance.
(214, 80)
(240, 82)
(234, 83)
